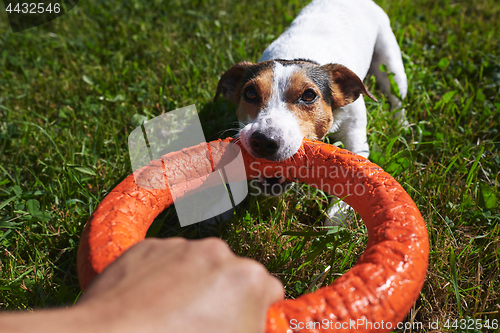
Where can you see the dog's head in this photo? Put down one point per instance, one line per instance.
(280, 102)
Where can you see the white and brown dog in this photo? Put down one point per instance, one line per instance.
(307, 82)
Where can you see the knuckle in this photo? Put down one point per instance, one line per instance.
(215, 247)
(250, 272)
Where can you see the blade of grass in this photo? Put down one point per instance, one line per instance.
(454, 281)
(471, 174)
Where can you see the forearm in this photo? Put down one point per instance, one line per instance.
(61, 320)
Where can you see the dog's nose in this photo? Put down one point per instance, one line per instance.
(263, 145)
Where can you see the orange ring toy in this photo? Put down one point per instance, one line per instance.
(374, 295)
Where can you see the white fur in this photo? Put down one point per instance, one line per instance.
(358, 35)
(276, 115)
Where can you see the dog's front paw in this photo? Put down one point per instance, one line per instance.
(270, 187)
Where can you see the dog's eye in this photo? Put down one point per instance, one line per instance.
(308, 96)
(250, 94)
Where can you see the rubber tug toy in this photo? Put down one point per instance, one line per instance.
(380, 288)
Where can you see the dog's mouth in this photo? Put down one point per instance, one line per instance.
(272, 186)
(279, 156)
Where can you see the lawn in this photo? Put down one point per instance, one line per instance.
(72, 90)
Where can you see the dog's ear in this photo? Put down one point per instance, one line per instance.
(230, 81)
(345, 85)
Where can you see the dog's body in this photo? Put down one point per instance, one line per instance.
(297, 89)
(356, 34)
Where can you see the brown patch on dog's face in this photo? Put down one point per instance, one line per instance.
(306, 101)
(259, 86)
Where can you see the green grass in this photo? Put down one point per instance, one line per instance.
(69, 91)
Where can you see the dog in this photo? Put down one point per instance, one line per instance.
(307, 83)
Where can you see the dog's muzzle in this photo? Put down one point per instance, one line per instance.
(264, 146)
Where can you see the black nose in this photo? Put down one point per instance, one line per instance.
(263, 145)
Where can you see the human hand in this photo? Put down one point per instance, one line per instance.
(176, 285)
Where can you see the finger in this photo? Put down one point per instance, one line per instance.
(261, 284)
(275, 291)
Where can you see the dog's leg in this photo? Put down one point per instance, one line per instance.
(353, 136)
(387, 52)
(352, 131)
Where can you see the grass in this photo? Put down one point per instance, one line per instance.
(73, 89)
